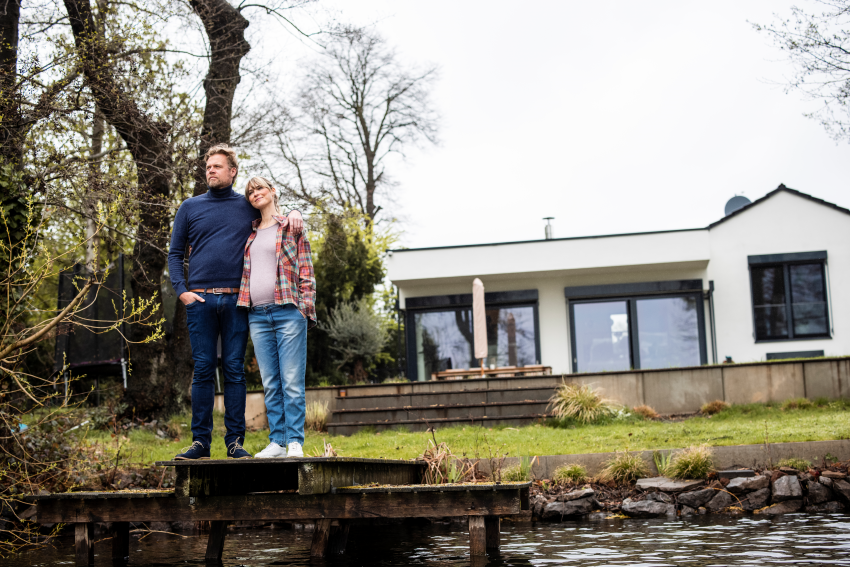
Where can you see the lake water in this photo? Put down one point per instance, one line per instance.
(702, 541)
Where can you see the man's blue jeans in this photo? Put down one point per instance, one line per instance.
(218, 315)
(279, 334)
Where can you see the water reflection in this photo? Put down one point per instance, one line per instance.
(703, 541)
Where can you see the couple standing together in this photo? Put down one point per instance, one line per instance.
(249, 267)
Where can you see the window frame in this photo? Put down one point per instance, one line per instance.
(631, 293)
(784, 261)
(451, 303)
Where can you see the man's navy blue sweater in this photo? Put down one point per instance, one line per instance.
(216, 226)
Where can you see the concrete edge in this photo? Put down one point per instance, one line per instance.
(726, 457)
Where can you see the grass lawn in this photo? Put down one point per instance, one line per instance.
(740, 425)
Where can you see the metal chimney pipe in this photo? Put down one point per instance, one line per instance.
(548, 227)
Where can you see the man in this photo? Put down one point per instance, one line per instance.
(215, 227)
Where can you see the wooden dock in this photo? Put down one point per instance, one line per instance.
(332, 492)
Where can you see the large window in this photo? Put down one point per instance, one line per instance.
(440, 335)
(656, 330)
(789, 296)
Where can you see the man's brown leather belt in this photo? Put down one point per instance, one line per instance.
(216, 290)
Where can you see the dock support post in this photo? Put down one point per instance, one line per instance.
(477, 536)
(120, 543)
(492, 525)
(338, 538)
(215, 544)
(84, 544)
(320, 538)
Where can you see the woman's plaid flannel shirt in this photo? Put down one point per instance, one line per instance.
(296, 282)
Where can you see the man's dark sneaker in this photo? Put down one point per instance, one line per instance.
(235, 451)
(195, 451)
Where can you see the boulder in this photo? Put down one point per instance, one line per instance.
(735, 473)
(756, 500)
(688, 511)
(786, 507)
(788, 470)
(826, 481)
(825, 507)
(741, 484)
(659, 497)
(787, 488)
(558, 510)
(720, 501)
(537, 505)
(697, 498)
(647, 509)
(576, 494)
(665, 484)
(818, 493)
(834, 475)
(842, 487)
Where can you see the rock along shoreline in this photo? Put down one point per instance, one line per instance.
(768, 492)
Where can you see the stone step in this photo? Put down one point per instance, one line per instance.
(421, 425)
(444, 398)
(438, 411)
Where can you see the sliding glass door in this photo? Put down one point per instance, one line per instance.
(637, 332)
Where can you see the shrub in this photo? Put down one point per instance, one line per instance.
(396, 380)
(795, 463)
(317, 416)
(520, 472)
(624, 467)
(570, 474)
(646, 412)
(821, 402)
(662, 461)
(581, 403)
(797, 403)
(694, 462)
(714, 407)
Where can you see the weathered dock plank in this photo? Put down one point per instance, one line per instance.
(275, 506)
(306, 475)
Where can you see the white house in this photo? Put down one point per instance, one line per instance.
(769, 280)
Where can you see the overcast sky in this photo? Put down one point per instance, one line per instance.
(611, 117)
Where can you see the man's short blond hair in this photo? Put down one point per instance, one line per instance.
(225, 150)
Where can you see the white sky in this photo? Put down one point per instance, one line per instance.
(609, 116)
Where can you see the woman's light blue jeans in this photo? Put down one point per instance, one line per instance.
(279, 334)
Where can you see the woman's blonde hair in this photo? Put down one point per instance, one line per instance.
(256, 182)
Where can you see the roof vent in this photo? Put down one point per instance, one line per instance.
(548, 227)
(735, 203)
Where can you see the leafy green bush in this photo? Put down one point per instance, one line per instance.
(694, 462)
(795, 463)
(573, 473)
(581, 403)
(715, 407)
(624, 467)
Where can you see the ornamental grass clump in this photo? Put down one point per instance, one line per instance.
(715, 407)
(625, 467)
(646, 412)
(581, 403)
(573, 473)
(317, 416)
(795, 463)
(695, 462)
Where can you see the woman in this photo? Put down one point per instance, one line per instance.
(279, 287)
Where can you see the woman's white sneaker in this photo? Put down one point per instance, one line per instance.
(273, 451)
(295, 450)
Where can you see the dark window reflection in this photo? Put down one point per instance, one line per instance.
(602, 336)
(771, 315)
(510, 336)
(444, 339)
(668, 332)
(808, 300)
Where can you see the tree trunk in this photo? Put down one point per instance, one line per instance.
(11, 148)
(161, 371)
(225, 27)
